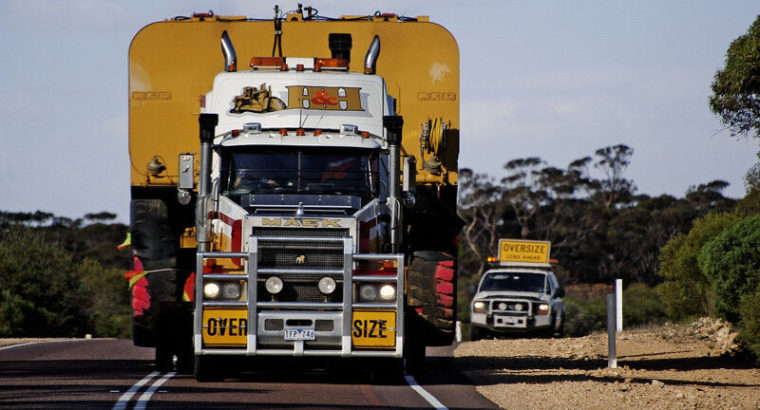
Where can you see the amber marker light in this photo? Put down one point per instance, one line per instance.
(283, 132)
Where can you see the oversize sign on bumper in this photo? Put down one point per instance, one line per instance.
(225, 327)
(373, 329)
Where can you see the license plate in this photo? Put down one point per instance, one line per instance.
(373, 329)
(225, 327)
(300, 334)
(510, 321)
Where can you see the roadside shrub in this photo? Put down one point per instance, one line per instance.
(40, 295)
(642, 305)
(749, 310)
(109, 311)
(584, 316)
(732, 259)
(687, 291)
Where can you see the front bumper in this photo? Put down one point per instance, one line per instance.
(344, 329)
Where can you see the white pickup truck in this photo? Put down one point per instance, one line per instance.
(518, 296)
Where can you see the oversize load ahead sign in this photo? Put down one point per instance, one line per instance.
(514, 250)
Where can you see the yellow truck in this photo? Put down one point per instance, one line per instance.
(293, 188)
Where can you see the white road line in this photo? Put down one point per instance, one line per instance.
(18, 345)
(425, 395)
(126, 397)
(145, 398)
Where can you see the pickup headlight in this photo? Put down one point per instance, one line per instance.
(543, 309)
(479, 306)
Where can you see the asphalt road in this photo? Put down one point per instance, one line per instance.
(114, 374)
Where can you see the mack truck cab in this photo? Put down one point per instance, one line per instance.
(302, 204)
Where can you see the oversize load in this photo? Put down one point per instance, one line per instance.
(373, 329)
(512, 250)
(225, 327)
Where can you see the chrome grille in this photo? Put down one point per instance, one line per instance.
(302, 255)
(300, 291)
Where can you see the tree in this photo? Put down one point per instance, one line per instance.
(732, 261)
(481, 208)
(736, 88)
(613, 161)
(41, 295)
(687, 290)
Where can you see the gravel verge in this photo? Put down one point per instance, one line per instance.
(669, 367)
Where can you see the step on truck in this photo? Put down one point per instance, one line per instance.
(293, 188)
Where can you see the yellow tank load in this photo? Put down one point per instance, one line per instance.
(172, 65)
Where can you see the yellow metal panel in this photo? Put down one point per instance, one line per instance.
(225, 327)
(173, 63)
(373, 329)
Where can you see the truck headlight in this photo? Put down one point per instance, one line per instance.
(387, 292)
(210, 290)
(543, 309)
(327, 285)
(367, 292)
(231, 290)
(273, 285)
(479, 306)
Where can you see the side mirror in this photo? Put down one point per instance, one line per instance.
(410, 181)
(559, 292)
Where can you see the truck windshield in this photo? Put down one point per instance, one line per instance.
(514, 281)
(302, 170)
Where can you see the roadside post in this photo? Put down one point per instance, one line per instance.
(611, 316)
(619, 304)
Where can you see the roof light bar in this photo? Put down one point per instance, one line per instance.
(269, 62)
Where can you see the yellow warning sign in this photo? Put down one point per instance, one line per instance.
(519, 250)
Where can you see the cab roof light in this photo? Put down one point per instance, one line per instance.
(269, 63)
(283, 132)
(300, 132)
(491, 259)
(235, 133)
(335, 64)
(348, 129)
(317, 133)
(252, 127)
(365, 134)
(299, 67)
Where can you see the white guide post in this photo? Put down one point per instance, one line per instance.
(619, 304)
(612, 348)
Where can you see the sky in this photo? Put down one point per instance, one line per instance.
(552, 79)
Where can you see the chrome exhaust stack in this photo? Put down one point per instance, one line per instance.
(230, 58)
(370, 60)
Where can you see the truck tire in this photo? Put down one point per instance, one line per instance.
(166, 324)
(432, 295)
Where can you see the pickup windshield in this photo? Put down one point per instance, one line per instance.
(300, 170)
(514, 281)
